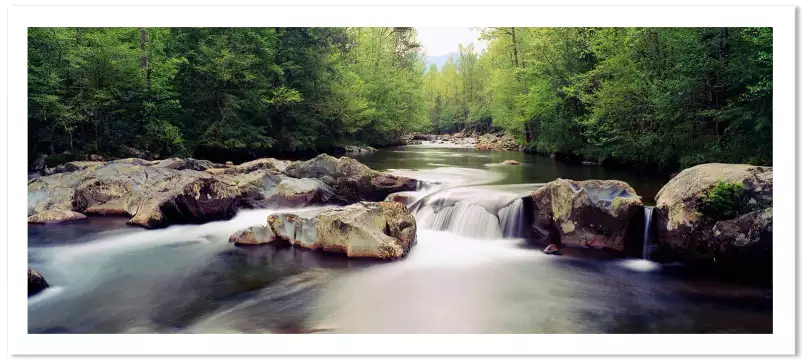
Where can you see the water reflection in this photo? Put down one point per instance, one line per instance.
(532, 168)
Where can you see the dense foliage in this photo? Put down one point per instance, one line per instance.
(668, 97)
(221, 91)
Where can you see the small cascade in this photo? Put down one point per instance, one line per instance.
(511, 219)
(475, 212)
(462, 218)
(646, 242)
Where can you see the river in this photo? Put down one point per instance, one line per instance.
(466, 274)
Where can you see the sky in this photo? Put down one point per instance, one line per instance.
(440, 41)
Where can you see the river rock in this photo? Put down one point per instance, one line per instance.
(55, 216)
(382, 230)
(153, 194)
(350, 179)
(497, 142)
(686, 233)
(258, 164)
(291, 192)
(163, 192)
(188, 164)
(552, 249)
(594, 213)
(358, 149)
(254, 235)
(747, 238)
(36, 282)
(511, 162)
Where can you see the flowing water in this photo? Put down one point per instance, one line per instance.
(470, 271)
(646, 248)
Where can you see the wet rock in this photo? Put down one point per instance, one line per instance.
(405, 198)
(686, 233)
(746, 239)
(594, 213)
(254, 235)
(552, 249)
(55, 216)
(159, 193)
(511, 162)
(382, 230)
(259, 164)
(229, 163)
(358, 149)
(36, 282)
(293, 192)
(351, 180)
(325, 165)
(154, 194)
(188, 164)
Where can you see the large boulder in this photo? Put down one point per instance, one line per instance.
(600, 214)
(258, 164)
(382, 230)
(186, 200)
(689, 232)
(327, 166)
(350, 179)
(36, 282)
(745, 238)
(153, 194)
(163, 192)
(254, 235)
(291, 192)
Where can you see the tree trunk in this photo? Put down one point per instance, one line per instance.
(515, 48)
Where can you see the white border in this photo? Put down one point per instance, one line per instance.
(782, 19)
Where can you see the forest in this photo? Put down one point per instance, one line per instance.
(664, 97)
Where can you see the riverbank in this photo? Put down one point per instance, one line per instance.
(500, 141)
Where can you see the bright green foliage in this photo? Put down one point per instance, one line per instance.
(727, 200)
(724, 201)
(221, 93)
(668, 97)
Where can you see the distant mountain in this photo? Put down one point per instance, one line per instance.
(439, 60)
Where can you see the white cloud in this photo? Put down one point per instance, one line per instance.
(440, 41)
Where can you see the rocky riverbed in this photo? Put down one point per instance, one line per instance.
(291, 219)
(490, 141)
(179, 191)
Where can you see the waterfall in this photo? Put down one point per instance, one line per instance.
(646, 242)
(462, 218)
(477, 212)
(511, 219)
